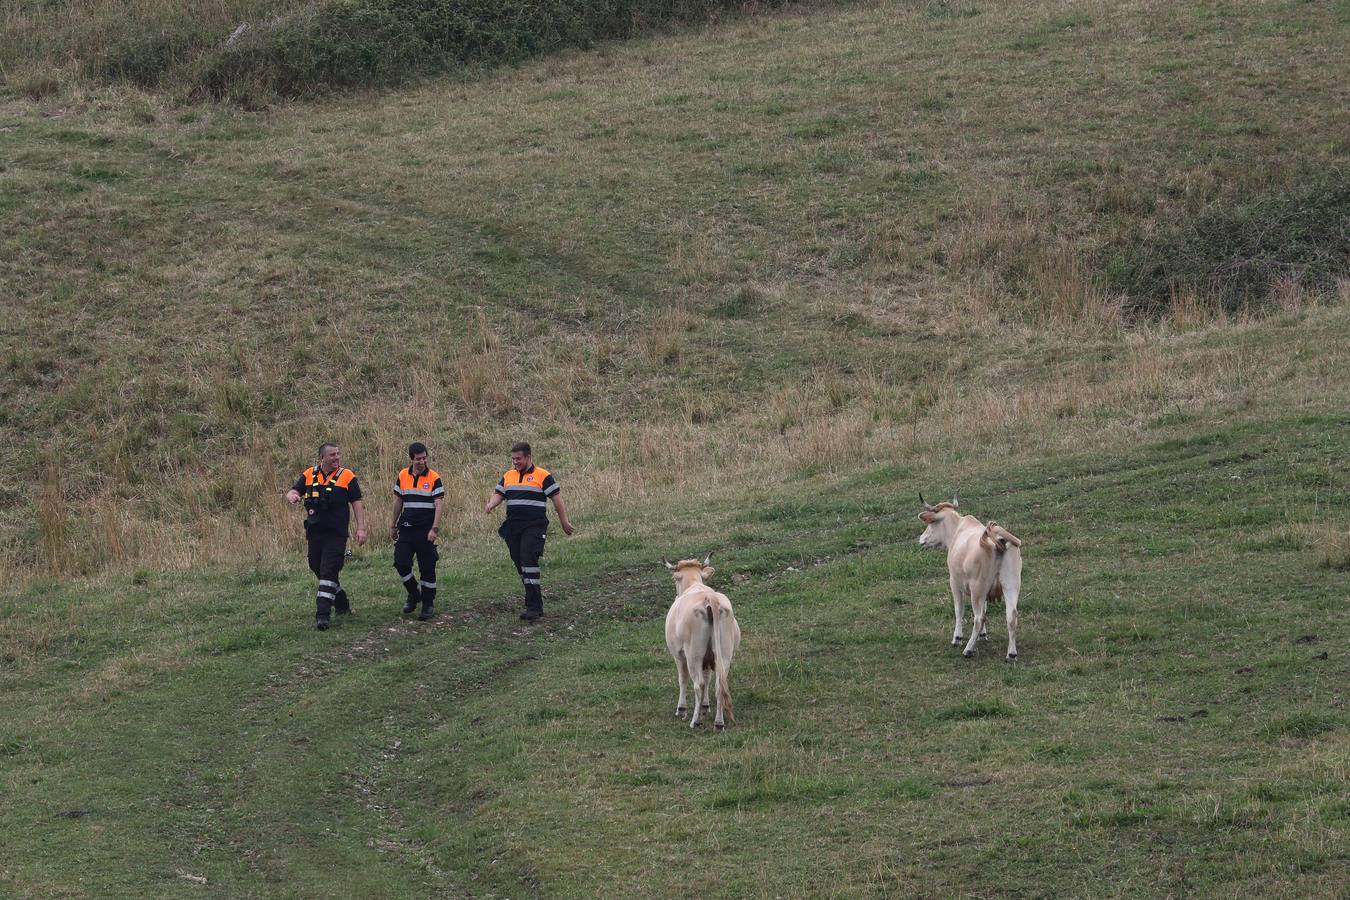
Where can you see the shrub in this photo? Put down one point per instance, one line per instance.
(1238, 251)
(350, 43)
(35, 83)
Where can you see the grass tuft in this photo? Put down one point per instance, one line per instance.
(35, 82)
(973, 709)
(1333, 548)
(1302, 725)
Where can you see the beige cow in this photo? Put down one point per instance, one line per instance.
(702, 635)
(984, 562)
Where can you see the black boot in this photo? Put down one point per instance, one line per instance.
(428, 611)
(534, 603)
(414, 593)
(342, 604)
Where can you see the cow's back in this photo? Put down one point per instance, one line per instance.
(966, 556)
(685, 620)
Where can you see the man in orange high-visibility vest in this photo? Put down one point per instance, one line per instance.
(326, 491)
(526, 489)
(418, 494)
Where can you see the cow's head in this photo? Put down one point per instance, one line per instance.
(688, 572)
(940, 521)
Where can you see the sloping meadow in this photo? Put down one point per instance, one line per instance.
(796, 243)
(1175, 723)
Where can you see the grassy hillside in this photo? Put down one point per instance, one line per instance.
(1176, 723)
(749, 291)
(808, 241)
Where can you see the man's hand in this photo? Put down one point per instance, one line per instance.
(567, 528)
(432, 535)
(360, 536)
(393, 531)
(292, 496)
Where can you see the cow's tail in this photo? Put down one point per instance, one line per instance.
(1007, 549)
(722, 651)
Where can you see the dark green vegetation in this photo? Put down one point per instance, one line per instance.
(1236, 251)
(1177, 724)
(253, 51)
(386, 41)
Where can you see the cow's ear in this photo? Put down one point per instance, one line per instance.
(707, 572)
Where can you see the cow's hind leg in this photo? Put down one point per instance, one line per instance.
(681, 673)
(1010, 600)
(699, 677)
(958, 635)
(978, 604)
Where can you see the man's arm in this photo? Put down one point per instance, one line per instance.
(435, 522)
(393, 523)
(293, 495)
(562, 513)
(494, 501)
(359, 507)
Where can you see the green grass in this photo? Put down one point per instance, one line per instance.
(146, 737)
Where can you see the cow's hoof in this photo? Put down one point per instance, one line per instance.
(967, 653)
(706, 707)
(680, 711)
(695, 724)
(958, 641)
(720, 726)
(1012, 657)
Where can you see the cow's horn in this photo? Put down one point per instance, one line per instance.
(707, 559)
(666, 563)
(955, 502)
(926, 504)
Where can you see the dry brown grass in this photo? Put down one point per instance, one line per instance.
(1332, 546)
(828, 421)
(666, 338)
(36, 82)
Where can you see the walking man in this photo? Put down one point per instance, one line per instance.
(526, 489)
(418, 494)
(327, 490)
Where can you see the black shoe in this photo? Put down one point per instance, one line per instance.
(321, 623)
(409, 605)
(530, 615)
(342, 604)
(428, 612)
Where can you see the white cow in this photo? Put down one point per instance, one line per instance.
(702, 635)
(984, 562)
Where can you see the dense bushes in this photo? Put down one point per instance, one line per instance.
(1239, 250)
(352, 43)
